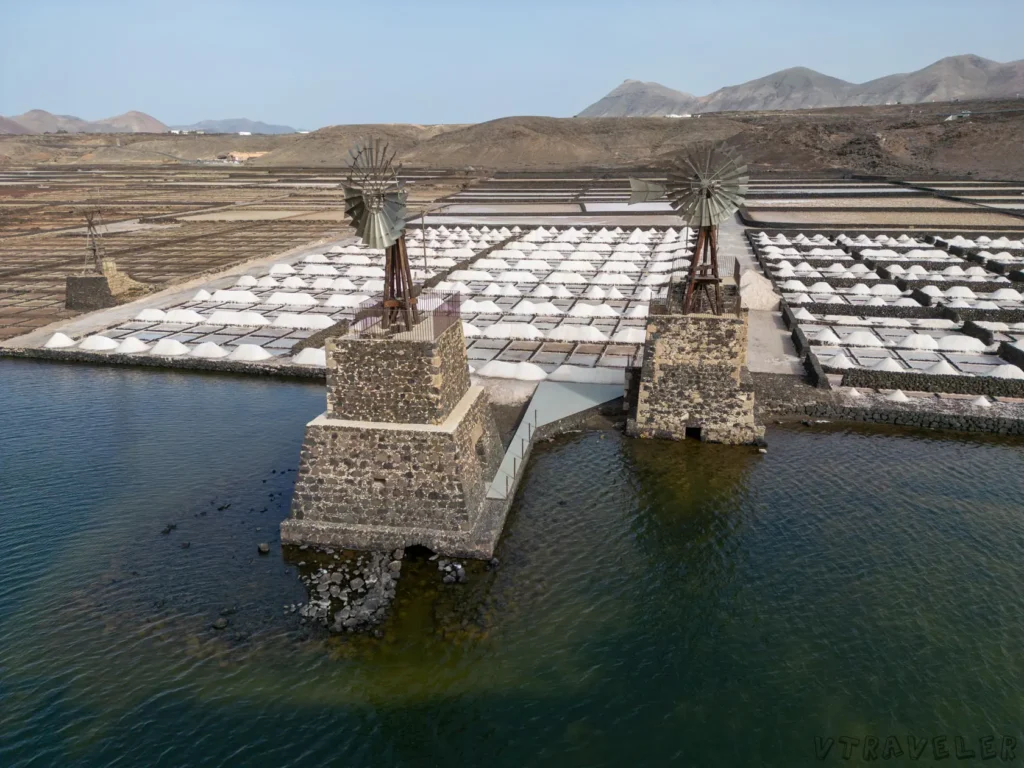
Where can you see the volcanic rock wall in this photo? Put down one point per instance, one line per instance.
(694, 378)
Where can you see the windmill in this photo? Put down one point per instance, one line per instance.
(375, 204)
(95, 247)
(705, 186)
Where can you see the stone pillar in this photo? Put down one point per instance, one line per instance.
(404, 453)
(694, 381)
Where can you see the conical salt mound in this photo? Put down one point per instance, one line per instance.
(826, 336)
(840, 362)
(943, 368)
(897, 396)
(854, 392)
(1007, 372)
(981, 402)
(887, 364)
(59, 340)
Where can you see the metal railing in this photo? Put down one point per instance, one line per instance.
(432, 314)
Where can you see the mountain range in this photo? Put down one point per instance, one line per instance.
(235, 125)
(40, 121)
(955, 77)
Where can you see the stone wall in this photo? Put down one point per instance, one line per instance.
(394, 380)
(377, 486)
(88, 292)
(109, 288)
(694, 377)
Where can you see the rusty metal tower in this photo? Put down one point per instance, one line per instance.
(705, 186)
(375, 204)
(95, 242)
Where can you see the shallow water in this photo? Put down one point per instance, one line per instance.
(655, 602)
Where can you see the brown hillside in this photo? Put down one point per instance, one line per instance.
(886, 140)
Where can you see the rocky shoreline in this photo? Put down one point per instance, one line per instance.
(352, 591)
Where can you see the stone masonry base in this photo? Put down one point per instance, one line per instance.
(383, 485)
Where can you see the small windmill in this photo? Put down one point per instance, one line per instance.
(705, 186)
(375, 204)
(95, 246)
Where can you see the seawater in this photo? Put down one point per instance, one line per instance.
(656, 603)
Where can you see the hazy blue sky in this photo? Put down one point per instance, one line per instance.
(309, 63)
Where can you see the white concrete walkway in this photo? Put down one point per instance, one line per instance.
(770, 348)
(552, 400)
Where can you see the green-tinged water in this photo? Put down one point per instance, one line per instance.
(656, 603)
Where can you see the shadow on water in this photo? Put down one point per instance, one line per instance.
(658, 602)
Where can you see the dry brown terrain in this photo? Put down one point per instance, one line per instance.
(890, 140)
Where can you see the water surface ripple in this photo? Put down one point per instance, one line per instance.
(655, 602)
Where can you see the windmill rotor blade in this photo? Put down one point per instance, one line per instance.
(374, 196)
(707, 184)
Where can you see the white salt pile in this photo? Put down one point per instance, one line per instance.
(282, 269)
(826, 336)
(854, 392)
(246, 281)
(887, 364)
(583, 375)
(310, 321)
(131, 346)
(311, 356)
(346, 300)
(473, 307)
(201, 295)
(249, 353)
(168, 348)
(630, 336)
(942, 368)
(512, 331)
(863, 339)
(98, 343)
(897, 396)
(840, 362)
(151, 315)
(319, 269)
(981, 402)
(522, 371)
(961, 344)
(293, 282)
(59, 341)
(295, 299)
(184, 317)
(919, 341)
(267, 282)
(209, 351)
(468, 329)
(576, 333)
(1007, 371)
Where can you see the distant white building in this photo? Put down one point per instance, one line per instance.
(245, 133)
(683, 115)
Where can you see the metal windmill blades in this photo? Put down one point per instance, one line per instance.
(374, 198)
(707, 185)
(375, 204)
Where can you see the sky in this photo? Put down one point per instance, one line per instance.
(310, 63)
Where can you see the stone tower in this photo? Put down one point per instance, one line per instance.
(405, 451)
(694, 381)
